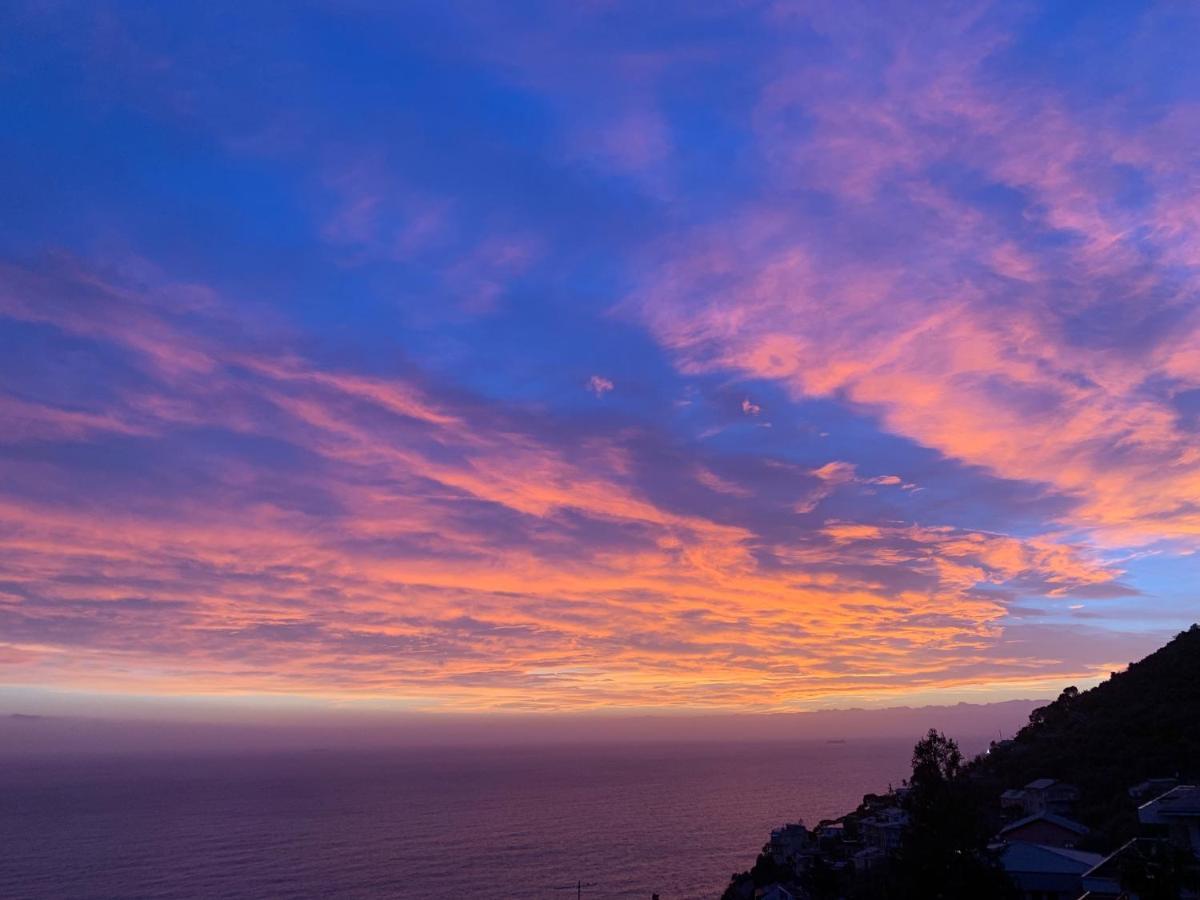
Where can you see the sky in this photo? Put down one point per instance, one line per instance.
(505, 358)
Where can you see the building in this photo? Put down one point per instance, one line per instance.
(1047, 795)
(1047, 873)
(1046, 829)
(1151, 788)
(883, 829)
(830, 835)
(1044, 795)
(789, 844)
(869, 859)
(1103, 881)
(1141, 860)
(1178, 813)
(1171, 854)
(1013, 798)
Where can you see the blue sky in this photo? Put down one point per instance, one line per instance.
(576, 357)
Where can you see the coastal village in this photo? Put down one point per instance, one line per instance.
(1096, 798)
(1046, 854)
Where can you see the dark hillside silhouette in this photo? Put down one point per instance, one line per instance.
(1141, 723)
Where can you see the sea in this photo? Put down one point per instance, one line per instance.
(556, 822)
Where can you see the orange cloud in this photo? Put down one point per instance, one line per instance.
(979, 282)
(422, 553)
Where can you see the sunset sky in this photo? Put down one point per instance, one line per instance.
(514, 357)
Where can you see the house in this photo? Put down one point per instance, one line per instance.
(793, 847)
(1047, 873)
(1111, 878)
(1041, 795)
(1047, 795)
(830, 834)
(869, 858)
(1044, 828)
(884, 829)
(1103, 881)
(1013, 798)
(788, 844)
(1151, 788)
(1178, 813)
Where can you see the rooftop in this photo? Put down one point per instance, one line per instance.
(1022, 856)
(1134, 852)
(1040, 784)
(1177, 802)
(1060, 821)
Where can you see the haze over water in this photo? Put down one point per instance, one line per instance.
(420, 823)
(416, 372)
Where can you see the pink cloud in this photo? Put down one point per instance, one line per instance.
(437, 559)
(599, 385)
(965, 341)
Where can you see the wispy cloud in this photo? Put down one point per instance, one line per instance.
(599, 385)
(296, 358)
(360, 535)
(1046, 334)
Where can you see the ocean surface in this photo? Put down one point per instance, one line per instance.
(480, 823)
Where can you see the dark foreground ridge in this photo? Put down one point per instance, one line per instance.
(1095, 798)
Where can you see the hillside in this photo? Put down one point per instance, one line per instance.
(1140, 723)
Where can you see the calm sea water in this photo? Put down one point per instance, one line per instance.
(496, 824)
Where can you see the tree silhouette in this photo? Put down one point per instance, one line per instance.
(944, 851)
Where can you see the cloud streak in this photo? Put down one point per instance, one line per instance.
(597, 357)
(1047, 336)
(389, 543)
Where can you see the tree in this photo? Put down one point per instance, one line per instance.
(936, 762)
(944, 852)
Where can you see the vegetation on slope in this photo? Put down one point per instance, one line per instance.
(1141, 723)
